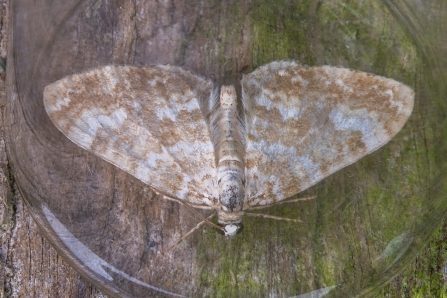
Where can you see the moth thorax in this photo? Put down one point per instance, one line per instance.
(231, 189)
(228, 217)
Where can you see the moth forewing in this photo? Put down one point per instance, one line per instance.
(305, 123)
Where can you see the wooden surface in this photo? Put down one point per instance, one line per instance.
(210, 39)
(29, 265)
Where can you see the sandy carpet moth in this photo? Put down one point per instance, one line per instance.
(191, 141)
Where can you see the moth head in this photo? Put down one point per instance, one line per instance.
(231, 230)
(231, 222)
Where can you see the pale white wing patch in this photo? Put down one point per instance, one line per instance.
(151, 122)
(304, 124)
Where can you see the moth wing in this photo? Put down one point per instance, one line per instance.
(150, 122)
(304, 124)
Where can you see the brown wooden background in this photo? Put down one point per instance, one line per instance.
(30, 267)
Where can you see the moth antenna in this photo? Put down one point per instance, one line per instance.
(189, 233)
(201, 217)
(204, 221)
(273, 217)
(181, 202)
(193, 210)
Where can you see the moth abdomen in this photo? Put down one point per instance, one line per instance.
(230, 151)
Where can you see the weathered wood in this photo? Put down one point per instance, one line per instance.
(29, 266)
(120, 219)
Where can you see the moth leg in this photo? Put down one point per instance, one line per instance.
(191, 208)
(184, 203)
(273, 217)
(282, 202)
(278, 203)
(190, 232)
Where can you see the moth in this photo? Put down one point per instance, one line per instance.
(196, 143)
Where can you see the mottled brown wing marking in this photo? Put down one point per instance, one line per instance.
(147, 121)
(304, 124)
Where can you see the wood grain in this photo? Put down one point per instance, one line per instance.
(341, 236)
